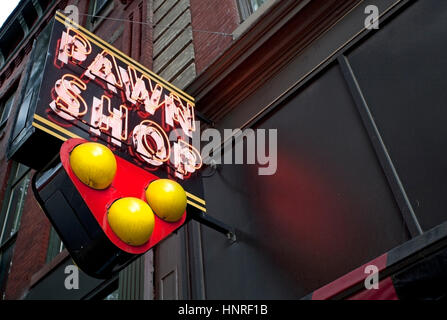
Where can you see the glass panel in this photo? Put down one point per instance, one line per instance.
(23, 190)
(7, 109)
(5, 263)
(55, 245)
(14, 210)
(248, 7)
(7, 225)
(255, 4)
(34, 70)
(244, 9)
(21, 170)
(99, 5)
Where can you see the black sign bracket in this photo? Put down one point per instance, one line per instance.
(214, 224)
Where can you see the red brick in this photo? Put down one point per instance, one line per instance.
(215, 16)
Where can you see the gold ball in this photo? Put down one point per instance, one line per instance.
(94, 164)
(132, 220)
(167, 199)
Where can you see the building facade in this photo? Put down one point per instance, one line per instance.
(355, 92)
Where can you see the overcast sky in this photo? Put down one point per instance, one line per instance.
(6, 7)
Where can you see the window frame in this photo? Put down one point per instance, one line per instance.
(8, 249)
(97, 9)
(6, 108)
(253, 18)
(96, 15)
(55, 246)
(247, 8)
(20, 177)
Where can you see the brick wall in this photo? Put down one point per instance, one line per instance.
(216, 16)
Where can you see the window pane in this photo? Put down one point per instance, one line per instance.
(8, 221)
(255, 4)
(248, 7)
(55, 245)
(14, 208)
(20, 171)
(7, 109)
(99, 4)
(23, 190)
(5, 262)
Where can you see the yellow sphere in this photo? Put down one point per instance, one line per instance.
(94, 164)
(167, 198)
(132, 220)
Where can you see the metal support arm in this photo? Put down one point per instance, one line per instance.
(215, 224)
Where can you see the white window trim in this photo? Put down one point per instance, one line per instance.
(244, 26)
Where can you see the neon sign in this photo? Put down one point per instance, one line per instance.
(88, 96)
(95, 92)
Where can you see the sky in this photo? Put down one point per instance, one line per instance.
(6, 7)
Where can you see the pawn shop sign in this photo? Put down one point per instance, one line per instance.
(120, 185)
(93, 91)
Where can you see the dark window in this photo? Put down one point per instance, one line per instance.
(248, 7)
(5, 111)
(27, 97)
(5, 263)
(14, 201)
(55, 245)
(10, 215)
(98, 6)
(97, 12)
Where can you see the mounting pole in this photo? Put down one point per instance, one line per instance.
(213, 223)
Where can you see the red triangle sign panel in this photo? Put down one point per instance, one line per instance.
(129, 181)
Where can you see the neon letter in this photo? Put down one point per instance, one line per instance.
(151, 143)
(69, 101)
(103, 68)
(136, 91)
(186, 159)
(181, 114)
(77, 47)
(113, 121)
